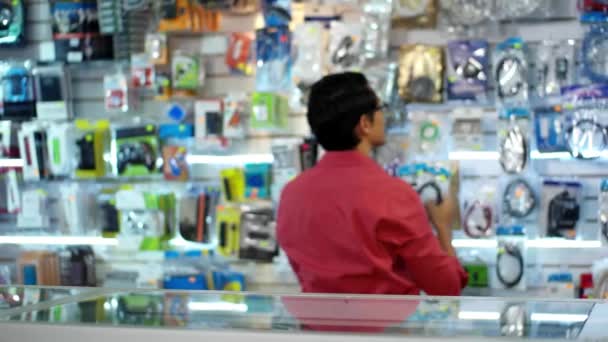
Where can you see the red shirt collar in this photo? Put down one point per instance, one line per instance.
(346, 159)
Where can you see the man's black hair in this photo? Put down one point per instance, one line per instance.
(335, 107)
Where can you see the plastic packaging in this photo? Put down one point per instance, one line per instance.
(186, 71)
(518, 198)
(135, 150)
(240, 52)
(511, 257)
(478, 208)
(514, 9)
(308, 65)
(421, 73)
(236, 110)
(552, 66)
(345, 46)
(12, 23)
(415, 13)
(53, 93)
(430, 180)
(549, 129)
(61, 148)
(277, 13)
(467, 12)
(560, 208)
(514, 146)
(429, 136)
(511, 72)
(468, 70)
(156, 48)
(116, 90)
(377, 27)
(603, 211)
(593, 50)
(274, 64)
(33, 146)
(467, 133)
(18, 91)
(142, 71)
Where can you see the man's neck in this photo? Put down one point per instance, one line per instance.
(365, 148)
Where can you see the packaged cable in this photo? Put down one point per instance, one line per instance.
(467, 70)
(560, 208)
(511, 257)
(415, 13)
(513, 139)
(421, 73)
(511, 72)
(552, 67)
(345, 46)
(478, 208)
(377, 27)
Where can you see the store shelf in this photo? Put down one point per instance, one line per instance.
(547, 243)
(58, 240)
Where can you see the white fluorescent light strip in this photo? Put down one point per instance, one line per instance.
(550, 155)
(539, 243)
(472, 243)
(6, 162)
(58, 240)
(558, 243)
(473, 155)
(235, 159)
(479, 315)
(550, 317)
(217, 306)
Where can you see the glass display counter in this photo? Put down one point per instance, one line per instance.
(76, 314)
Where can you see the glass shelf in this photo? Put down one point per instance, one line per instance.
(462, 317)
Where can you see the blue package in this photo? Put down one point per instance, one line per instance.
(274, 60)
(276, 12)
(175, 131)
(257, 180)
(592, 53)
(549, 130)
(185, 282)
(467, 69)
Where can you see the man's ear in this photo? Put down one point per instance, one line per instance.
(364, 126)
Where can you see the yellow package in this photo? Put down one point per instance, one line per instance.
(421, 73)
(228, 220)
(93, 141)
(233, 184)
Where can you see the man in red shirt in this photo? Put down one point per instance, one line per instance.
(346, 225)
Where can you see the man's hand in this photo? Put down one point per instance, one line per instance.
(442, 217)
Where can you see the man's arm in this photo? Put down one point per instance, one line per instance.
(407, 234)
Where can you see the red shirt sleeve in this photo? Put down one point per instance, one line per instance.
(406, 232)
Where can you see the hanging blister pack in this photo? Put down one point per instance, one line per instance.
(519, 199)
(53, 95)
(466, 12)
(515, 9)
(33, 149)
(236, 110)
(377, 27)
(382, 78)
(240, 51)
(430, 180)
(603, 211)
(421, 73)
(478, 208)
(549, 129)
(552, 67)
(187, 74)
(511, 257)
(277, 13)
(467, 131)
(560, 208)
(12, 22)
(511, 72)
(430, 134)
(415, 13)
(116, 90)
(61, 148)
(468, 70)
(345, 46)
(513, 139)
(586, 135)
(18, 91)
(274, 64)
(594, 48)
(308, 65)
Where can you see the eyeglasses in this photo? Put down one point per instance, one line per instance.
(382, 107)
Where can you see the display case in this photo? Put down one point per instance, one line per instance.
(76, 314)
